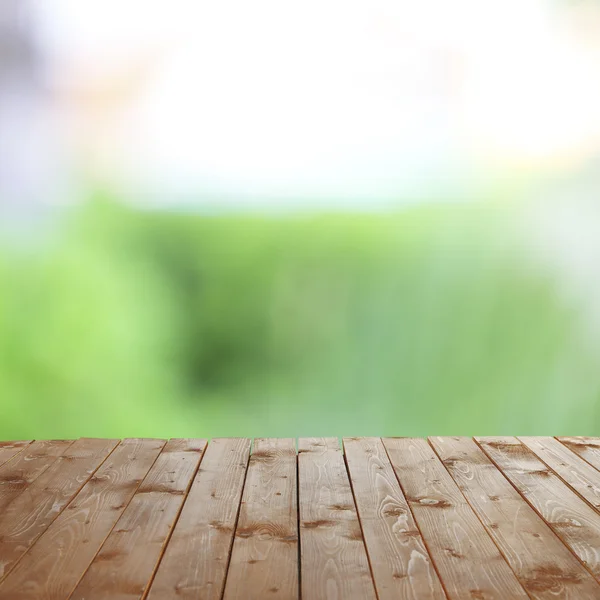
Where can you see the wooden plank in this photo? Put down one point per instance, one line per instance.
(19, 473)
(585, 447)
(312, 444)
(195, 562)
(467, 560)
(31, 513)
(264, 559)
(571, 518)
(124, 567)
(543, 564)
(9, 450)
(399, 559)
(333, 558)
(56, 562)
(574, 471)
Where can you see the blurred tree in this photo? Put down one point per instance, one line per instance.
(428, 321)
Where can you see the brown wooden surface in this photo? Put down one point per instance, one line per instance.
(333, 556)
(19, 473)
(195, 563)
(124, 567)
(466, 558)
(399, 559)
(585, 447)
(578, 474)
(379, 519)
(542, 563)
(51, 570)
(264, 558)
(9, 450)
(570, 517)
(32, 511)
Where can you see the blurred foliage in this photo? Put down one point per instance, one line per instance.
(426, 321)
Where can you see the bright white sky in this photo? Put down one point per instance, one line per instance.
(324, 98)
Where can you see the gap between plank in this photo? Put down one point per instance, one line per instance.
(298, 519)
(557, 438)
(237, 518)
(168, 538)
(479, 518)
(17, 453)
(362, 531)
(576, 457)
(5, 575)
(535, 509)
(116, 520)
(435, 567)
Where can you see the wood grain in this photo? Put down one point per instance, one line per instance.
(574, 471)
(334, 561)
(397, 518)
(571, 518)
(125, 565)
(56, 562)
(195, 563)
(32, 512)
(468, 562)
(316, 443)
(585, 447)
(19, 473)
(9, 450)
(264, 559)
(543, 564)
(399, 559)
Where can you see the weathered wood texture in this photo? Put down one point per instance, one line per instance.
(543, 564)
(333, 556)
(578, 474)
(24, 520)
(585, 447)
(441, 518)
(399, 559)
(468, 561)
(19, 473)
(51, 570)
(567, 514)
(264, 558)
(195, 563)
(9, 450)
(124, 567)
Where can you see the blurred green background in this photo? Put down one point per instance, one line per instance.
(429, 320)
(312, 218)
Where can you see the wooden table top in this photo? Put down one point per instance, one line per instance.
(447, 517)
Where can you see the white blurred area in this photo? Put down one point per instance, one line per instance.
(319, 103)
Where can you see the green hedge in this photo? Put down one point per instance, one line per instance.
(427, 321)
